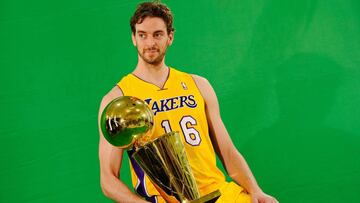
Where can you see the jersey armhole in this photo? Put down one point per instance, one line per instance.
(118, 86)
(197, 87)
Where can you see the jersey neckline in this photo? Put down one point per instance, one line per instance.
(158, 87)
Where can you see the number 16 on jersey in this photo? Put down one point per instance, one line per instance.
(187, 125)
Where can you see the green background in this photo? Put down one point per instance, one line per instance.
(287, 75)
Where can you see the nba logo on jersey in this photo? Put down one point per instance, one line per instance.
(184, 85)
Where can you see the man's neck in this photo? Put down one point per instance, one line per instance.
(155, 74)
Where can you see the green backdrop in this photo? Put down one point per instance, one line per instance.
(287, 75)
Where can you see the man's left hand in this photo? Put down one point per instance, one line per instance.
(261, 197)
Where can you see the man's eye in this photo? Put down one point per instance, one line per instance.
(157, 35)
(141, 35)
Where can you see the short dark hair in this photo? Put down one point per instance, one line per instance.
(152, 9)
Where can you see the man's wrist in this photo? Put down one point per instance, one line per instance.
(255, 189)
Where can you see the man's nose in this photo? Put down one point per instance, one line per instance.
(150, 41)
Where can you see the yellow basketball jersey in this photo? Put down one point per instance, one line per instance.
(178, 106)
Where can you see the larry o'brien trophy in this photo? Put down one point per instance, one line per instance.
(127, 122)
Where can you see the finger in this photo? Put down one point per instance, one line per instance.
(269, 200)
(274, 200)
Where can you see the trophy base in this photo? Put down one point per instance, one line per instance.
(209, 198)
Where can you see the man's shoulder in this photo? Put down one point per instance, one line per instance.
(125, 81)
(197, 77)
(194, 76)
(116, 90)
(113, 93)
(199, 80)
(124, 77)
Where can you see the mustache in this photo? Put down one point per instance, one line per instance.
(152, 49)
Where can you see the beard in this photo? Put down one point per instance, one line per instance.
(155, 60)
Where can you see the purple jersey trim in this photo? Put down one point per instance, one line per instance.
(141, 187)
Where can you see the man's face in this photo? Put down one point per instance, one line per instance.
(151, 39)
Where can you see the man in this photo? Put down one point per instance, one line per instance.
(180, 102)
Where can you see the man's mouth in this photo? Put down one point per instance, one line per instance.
(152, 50)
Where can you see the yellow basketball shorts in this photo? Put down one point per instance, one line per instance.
(233, 193)
(230, 193)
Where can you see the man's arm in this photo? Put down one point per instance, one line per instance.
(110, 162)
(233, 161)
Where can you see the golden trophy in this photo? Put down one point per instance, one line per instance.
(127, 122)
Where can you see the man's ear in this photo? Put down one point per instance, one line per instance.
(171, 38)
(133, 38)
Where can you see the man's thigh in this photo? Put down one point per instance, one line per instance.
(233, 193)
